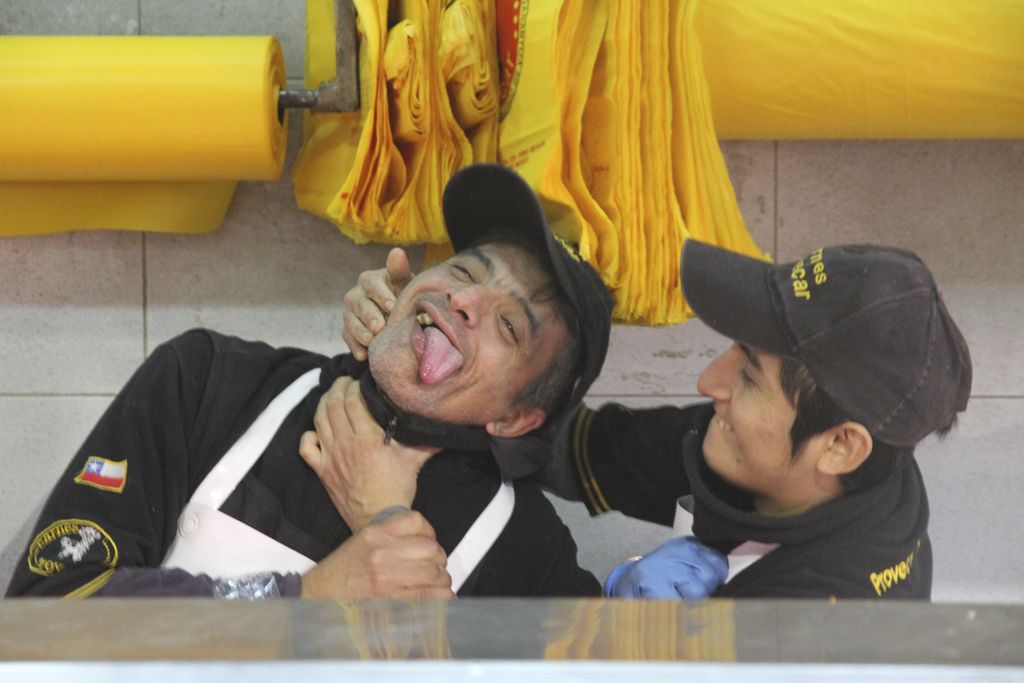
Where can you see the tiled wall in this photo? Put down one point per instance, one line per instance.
(79, 311)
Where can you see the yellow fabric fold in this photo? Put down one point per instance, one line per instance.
(582, 165)
(443, 147)
(634, 153)
(660, 297)
(702, 180)
(528, 112)
(602, 106)
(349, 169)
(380, 174)
(469, 64)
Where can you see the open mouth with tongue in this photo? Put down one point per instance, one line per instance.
(438, 357)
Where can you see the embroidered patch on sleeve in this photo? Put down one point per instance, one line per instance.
(70, 542)
(104, 474)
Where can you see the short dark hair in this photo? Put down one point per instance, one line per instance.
(816, 412)
(551, 390)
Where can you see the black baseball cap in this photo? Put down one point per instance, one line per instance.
(868, 322)
(486, 203)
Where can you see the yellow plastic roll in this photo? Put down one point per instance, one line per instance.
(140, 108)
(791, 69)
(178, 206)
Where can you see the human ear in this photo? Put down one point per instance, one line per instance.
(849, 446)
(516, 422)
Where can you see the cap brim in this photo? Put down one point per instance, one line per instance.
(730, 292)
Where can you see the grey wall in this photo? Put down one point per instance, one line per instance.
(79, 311)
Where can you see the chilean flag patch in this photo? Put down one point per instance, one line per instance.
(104, 474)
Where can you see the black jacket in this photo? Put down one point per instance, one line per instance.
(869, 544)
(181, 411)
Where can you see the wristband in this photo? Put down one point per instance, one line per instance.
(389, 512)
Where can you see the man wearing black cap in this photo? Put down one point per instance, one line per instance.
(801, 470)
(192, 482)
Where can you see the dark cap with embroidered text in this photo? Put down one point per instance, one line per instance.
(868, 321)
(486, 203)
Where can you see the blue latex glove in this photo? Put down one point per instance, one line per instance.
(680, 568)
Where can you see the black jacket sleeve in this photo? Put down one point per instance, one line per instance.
(150, 582)
(90, 528)
(632, 460)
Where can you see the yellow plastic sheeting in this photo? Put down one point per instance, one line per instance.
(469, 64)
(379, 174)
(632, 148)
(134, 133)
(528, 110)
(795, 69)
(181, 206)
(140, 108)
(702, 183)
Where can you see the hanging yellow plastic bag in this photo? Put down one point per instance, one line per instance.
(380, 174)
(592, 115)
(702, 182)
(469, 64)
(349, 170)
(634, 152)
(528, 115)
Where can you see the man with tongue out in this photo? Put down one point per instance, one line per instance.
(801, 467)
(192, 483)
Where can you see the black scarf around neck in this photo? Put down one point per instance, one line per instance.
(415, 430)
(516, 457)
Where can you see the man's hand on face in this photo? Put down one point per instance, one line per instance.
(347, 451)
(397, 558)
(368, 304)
(679, 568)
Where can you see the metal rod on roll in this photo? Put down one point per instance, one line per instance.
(341, 94)
(297, 99)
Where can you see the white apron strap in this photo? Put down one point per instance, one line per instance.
(213, 543)
(240, 458)
(481, 536)
(741, 556)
